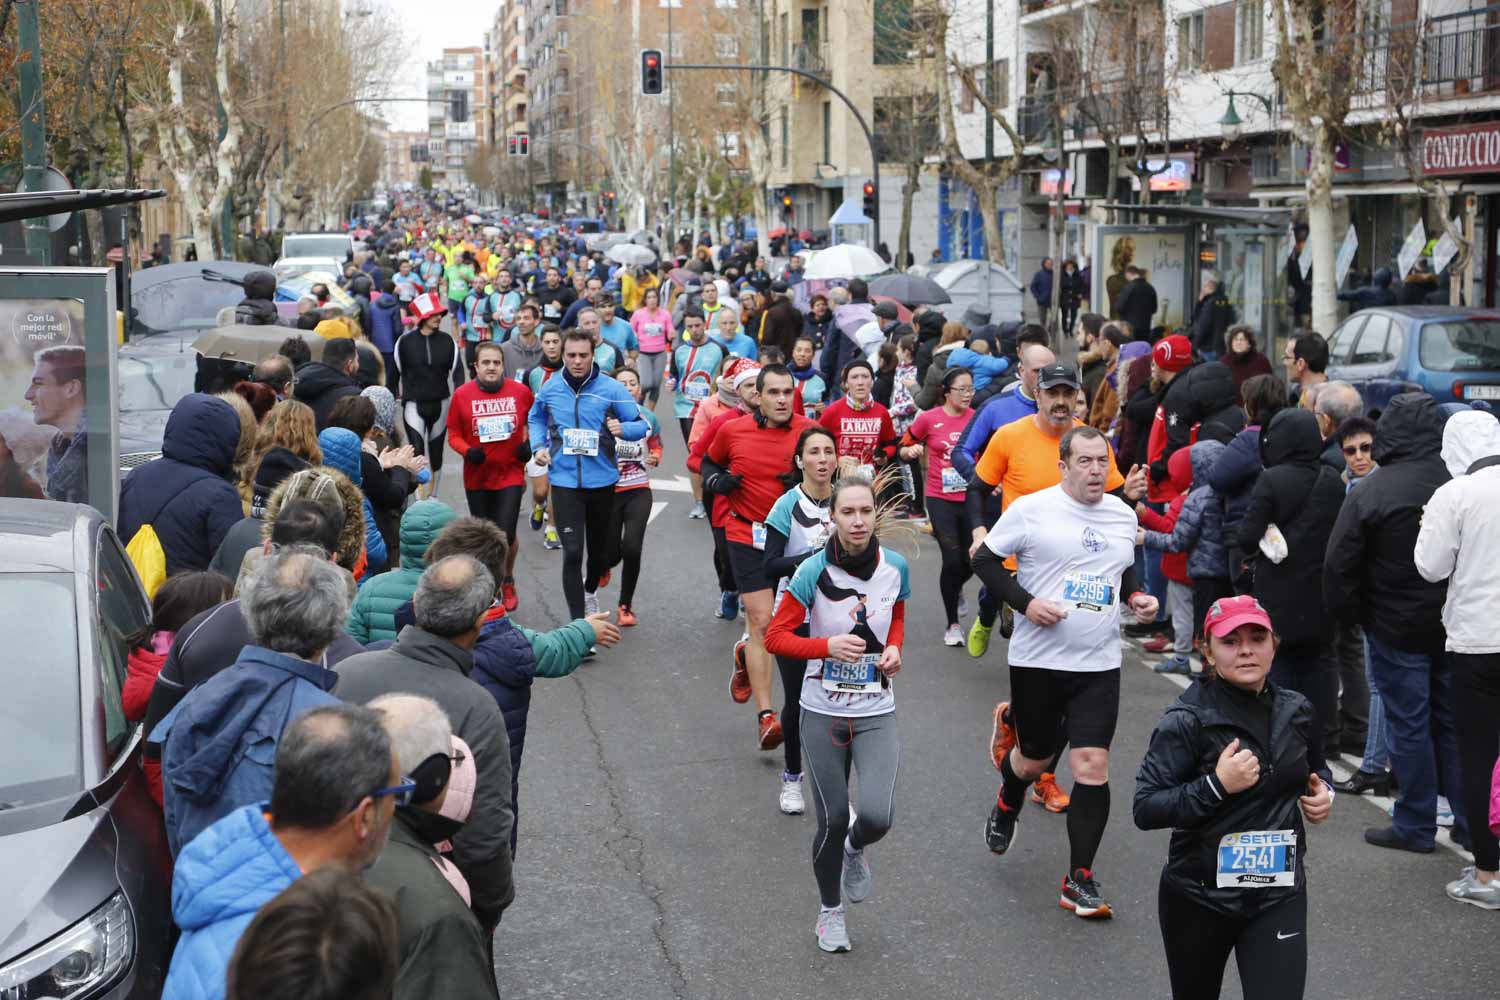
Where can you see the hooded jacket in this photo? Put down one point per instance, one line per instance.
(1301, 496)
(320, 387)
(425, 664)
(1199, 530)
(560, 407)
(929, 331)
(1459, 540)
(258, 308)
(1201, 404)
(341, 451)
(1161, 527)
(373, 616)
(1369, 575)
(1377, 293)
(385, 324)
(186, 495)
(218, 746)
(1176, 786)
(1233, 478)
(220, 881)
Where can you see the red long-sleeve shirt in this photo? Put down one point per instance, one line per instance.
(760, 456)
(476, 414)
(782, 638)
(862, 434)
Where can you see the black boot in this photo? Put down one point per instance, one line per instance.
(1361, 782)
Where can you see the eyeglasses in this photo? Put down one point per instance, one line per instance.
(966, 391)
(1357, 449)
(401, 794)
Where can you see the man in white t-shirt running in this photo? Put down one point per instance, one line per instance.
(1075, 557)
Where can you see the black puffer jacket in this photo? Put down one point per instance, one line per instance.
(321, 387)
(1369, 576)
(259, 306)
(1174, 788)
(1301, 496)
(1204, 396)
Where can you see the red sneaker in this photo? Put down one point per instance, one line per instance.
(739, 681)
(508, 595)
(1046, 793)
(627, 617)
(1002, 736)
(770, 731)
(604, 580)
(1159, 644)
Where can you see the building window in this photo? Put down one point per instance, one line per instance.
(965, 96)
(997, 82)
(562, 39)
(786, 137)
(726, 4)
(729, 144)
(786, 41)
(726, 46)
(1249, 35)
(827, 132)
(1190, 42)
(727, 93)
(893, 32)
(672, 46)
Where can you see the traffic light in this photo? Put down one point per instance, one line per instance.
(609, 196)
(525, 145)
(786, 205)
(870, 199)
(511, 146)
(651, 82)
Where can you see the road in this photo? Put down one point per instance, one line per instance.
(653, 861)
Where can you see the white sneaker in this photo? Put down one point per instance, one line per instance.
(833, 936)
(1468, 889)
(698, 513)
(1444, 812)
(590, 603)
(791, 794)
(954, 636)
(856, 880)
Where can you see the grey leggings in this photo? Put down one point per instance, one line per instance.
(650, 367)
(829, 745)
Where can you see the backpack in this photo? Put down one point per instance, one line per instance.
(149, 559)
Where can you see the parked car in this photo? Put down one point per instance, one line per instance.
(292, 267)
(1450, 352)
(83, 851)
(335, 245)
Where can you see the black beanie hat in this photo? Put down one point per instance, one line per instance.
(276, 467)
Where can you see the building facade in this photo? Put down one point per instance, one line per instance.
(405, 156)
(457, 110)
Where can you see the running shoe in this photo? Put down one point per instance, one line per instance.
(604, 580)
(1000, 830)
(856, 880)
(627, 617)
(963, 606)
(1050, 797)
(954, 636)
(1444, 812)
(1468, 889)
(739, 680)
(729, 606)
(770, 731)
(550, 539)
(1080, 893)
(791, 794)
(698, 513)
(833, 936)
(538, 517)
(1002, 734)
(1157, 644)
(1007, 621)
(1176, 665)
(979, 638)
(590, 603)
(508, 595)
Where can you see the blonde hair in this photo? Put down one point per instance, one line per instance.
(953, 331)
(248, 428)
(290, 425)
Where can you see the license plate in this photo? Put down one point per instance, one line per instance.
(1482, 392)
(860, 677)
(1257, 859)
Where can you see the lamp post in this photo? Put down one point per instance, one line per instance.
(1232, 126)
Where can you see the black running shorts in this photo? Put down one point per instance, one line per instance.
(749, 565)
(1045, 703)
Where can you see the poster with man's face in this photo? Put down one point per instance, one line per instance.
(43, 433)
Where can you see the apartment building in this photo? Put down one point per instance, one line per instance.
(550, 100)
(405, 156)
(505, 73)
(457, 109)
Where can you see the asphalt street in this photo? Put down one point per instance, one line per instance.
(653, 861)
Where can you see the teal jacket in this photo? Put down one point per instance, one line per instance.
(373, 616)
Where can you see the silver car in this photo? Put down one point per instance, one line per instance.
(83, 853)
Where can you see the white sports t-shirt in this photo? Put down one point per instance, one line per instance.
(1074, 554)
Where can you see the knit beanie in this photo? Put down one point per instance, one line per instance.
(275, 467)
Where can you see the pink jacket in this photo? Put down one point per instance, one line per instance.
(1495, 801)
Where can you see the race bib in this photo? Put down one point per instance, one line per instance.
(578, 441)
(1257, 859)
(758, 534)
(696, 391)
(494, 428)
(550, 310)
(630, 451)
(1089, 592)
(953, 481)
(859, 677)
(653, 328)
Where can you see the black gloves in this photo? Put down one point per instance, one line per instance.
(474, 456)
(722, 483)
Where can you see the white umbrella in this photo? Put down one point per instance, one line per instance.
(492, 231)
(845, 260)
(475, 219)
(631, 253)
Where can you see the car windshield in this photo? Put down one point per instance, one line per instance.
(285, 272)
(40, 734)
(316, 245)
(1468, 345)
(154, 381)
(189, 302)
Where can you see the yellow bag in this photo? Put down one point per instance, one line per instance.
(150, 560)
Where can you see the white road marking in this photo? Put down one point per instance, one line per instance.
(677, 484)
(656, 508)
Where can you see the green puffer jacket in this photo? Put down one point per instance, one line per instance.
(373, 616)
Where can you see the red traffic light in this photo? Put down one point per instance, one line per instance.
(652, 61)
(869, 189)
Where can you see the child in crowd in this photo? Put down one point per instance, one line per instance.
(1155, 532)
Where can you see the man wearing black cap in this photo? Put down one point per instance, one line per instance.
(781, 324)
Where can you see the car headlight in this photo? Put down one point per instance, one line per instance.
(83, 959)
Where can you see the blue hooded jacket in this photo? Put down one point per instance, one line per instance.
(186, 495)
(558, 407)
(993, 415)
(385, 324)
(341, 451)
(1199, 530)
(218, 746)
(219, 883)
(984, 367)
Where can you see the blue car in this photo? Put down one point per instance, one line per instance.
(1450, 352)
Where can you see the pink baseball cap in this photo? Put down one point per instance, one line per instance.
(1229, 613)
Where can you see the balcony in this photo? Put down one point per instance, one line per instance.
(813, 58)
(1119, 107)
(1442, 58)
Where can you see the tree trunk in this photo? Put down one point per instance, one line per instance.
(909, 187)
(1320, 234)
(989, 211)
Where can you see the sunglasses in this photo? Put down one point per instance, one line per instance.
(1357, 449)
(401, 794)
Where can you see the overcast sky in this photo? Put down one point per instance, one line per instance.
(440, 24)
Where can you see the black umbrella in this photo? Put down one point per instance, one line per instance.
(910, 289)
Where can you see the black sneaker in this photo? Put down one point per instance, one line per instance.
(1080, 893)
(1000, 829)
(1007, 621)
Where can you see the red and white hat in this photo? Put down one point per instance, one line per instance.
(428, 305)
(1229, 613)
(1173, 354)
(739, 371)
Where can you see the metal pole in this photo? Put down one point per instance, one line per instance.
(989, 83)
(33, 123)
(286, 125)
(671, 239)
(863, 125)
(226, 214)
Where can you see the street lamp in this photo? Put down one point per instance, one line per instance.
(1232, 126)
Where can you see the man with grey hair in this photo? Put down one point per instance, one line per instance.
(443, 950)
(433, 659)
(219, 741)
(1333, 403)
(276, 374)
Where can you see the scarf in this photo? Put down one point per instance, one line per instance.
(861, 565)
(577, 384)
(802, 374)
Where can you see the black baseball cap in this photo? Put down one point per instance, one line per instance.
(1055, 375)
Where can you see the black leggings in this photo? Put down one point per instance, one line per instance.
(792, 672)
(503, 507)
(627, 536)
(582, 515)
(953, 530)
(1476, 716)
(1270, 948)
(722, 568)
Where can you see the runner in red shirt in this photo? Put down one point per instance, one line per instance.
(744, 465)
(743, 386)
(487, 426)
(866, 437)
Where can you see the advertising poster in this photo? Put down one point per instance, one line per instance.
(43, 433)
(1166, 257)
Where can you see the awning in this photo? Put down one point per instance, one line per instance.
(30, 205)
(850, 213)
(1272, 218)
